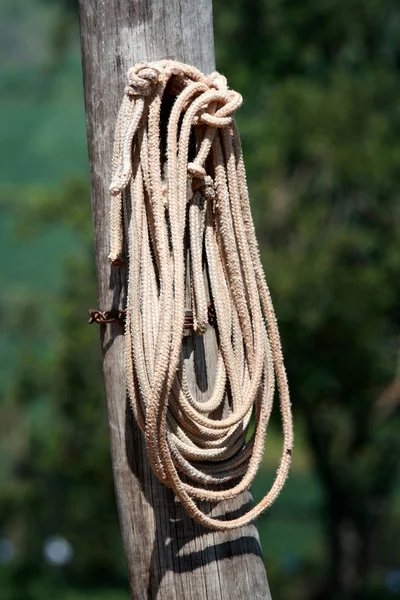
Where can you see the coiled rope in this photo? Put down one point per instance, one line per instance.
(193, 193)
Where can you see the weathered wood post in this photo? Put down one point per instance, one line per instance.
(168, 555)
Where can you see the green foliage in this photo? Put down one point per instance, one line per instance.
(53, 424)
(321, 140)
(320, 127)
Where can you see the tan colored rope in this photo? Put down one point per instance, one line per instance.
(195, 189)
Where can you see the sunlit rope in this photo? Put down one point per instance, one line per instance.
(190, 191)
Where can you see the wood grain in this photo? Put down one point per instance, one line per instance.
(168, 555)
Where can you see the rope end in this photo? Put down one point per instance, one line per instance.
(115, 259)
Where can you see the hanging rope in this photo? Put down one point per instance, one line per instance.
(190, 191)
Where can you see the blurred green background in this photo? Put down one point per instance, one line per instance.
(321, 134)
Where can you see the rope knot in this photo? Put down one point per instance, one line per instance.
(141, 79)
(230, 101)
(205, 185)
(196, 171)
(217, 81)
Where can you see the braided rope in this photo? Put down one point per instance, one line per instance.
(205, 199)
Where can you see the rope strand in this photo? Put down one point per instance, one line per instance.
(181, 211)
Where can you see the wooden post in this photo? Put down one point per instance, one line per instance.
(168, 555)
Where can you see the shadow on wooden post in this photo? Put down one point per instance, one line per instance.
(187, 560)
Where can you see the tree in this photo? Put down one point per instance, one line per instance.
(59, 478)
(322, 84)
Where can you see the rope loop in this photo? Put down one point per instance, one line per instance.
(222, 117)
(180, 205)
